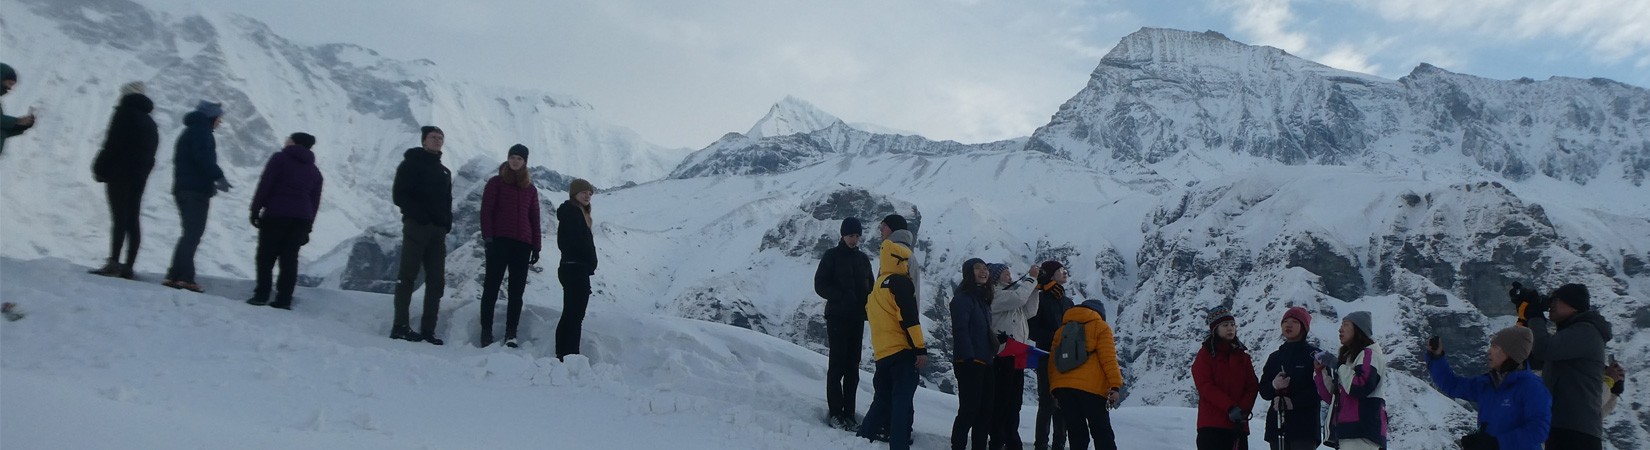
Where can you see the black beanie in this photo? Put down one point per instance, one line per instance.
(303, 140)
(1574, 295)
(895, 222)
(851, 226)
(426, 130)
(1045, 272)
(519, 150)
(6, 73)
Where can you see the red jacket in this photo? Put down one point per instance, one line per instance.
(1224, 379)
(511, 212)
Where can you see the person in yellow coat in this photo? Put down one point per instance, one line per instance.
(1085, 392)
(897, 344)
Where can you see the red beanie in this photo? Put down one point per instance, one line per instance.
(1300, 315)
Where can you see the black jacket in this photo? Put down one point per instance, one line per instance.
(424, 189)
(1050, 314)
(1295, 360)
(573, 237)
(195, 161)
(129, 147)
(844, 280)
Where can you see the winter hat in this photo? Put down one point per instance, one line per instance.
(1300, 315)
(425, 131)
(1362, 321)
(851, 227)
(895, 222)
(1095, 305)
(6, 73)
(903, 237)
(1047, 271)
(1219, 314)
(304, 140)
(1574, 295)
(579, 185)
(135, 87)
(997, 271)
(1515, 341)
(518, 150)
(209, 109)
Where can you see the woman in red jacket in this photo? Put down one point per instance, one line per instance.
(1226, 385)
(510, 227)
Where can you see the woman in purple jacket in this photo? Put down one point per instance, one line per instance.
(510, 227)
(283, 211)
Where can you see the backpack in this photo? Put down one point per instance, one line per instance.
(1072, 352)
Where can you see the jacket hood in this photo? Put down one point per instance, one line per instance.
(1592, 319)
(137, 103)
(300, 153)
(1084, 313)
(893, 259)
(197, 120)
(968, 272)
(903, 237)
(420, 152)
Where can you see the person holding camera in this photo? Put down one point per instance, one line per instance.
(1514, 408)
(1353, 382)
(1572, 364)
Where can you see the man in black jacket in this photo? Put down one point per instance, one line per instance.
(1051, 279)
(1573, 365)
(424, 191)
(844, 279)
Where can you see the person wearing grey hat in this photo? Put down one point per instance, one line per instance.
(1353, 383)
(195, 177)
(1573, 361)
(11, 126)
(844, 279)
(1514, 407)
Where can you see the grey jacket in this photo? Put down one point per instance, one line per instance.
(1574, 369)
(1014, 304)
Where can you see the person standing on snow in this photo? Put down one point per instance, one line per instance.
(1574, 361)
(510, 228)
(975, 347)
(844, 280)
(1353, 383)
(11, 126)
(1226, 385)
(897, 343)
(283, 211)
(1088, 391)
(123, 167)
(1051, 310)
(195, 174)
(1012, 304)
(424, 191)
(577, 241)
(1514, 407)
(1292, 423)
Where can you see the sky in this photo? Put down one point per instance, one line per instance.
(684, 73)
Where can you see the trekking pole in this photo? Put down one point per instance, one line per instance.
(1277, 408)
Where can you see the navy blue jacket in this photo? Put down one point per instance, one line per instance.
(971, 320)
(1295, 360)
(1518, 412)
(195, 161)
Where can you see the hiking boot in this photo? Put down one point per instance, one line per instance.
(126, 271)
(258, 300)
(282, 303)
(406, 334)
(486, 341)
(430, 338)
(511, 342)
(110, 269)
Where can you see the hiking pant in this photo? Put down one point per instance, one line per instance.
(1007, 394)
(1086, 416)
(846, 340)
(422, 246)
(1047, 412)
(973, 405)
(125, 208)
(504, 255)
(1221, 439)
(278, 241)
(891, 413)
(192, 208)
(575, 291)
(1567, 439)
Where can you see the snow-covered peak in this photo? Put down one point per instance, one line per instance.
(792, 116)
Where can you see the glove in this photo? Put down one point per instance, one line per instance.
(1280, 382)
(1235, 414)
(533, 260)
(1325, 359)
(254, 220)
(1002, 338)
(221, 185)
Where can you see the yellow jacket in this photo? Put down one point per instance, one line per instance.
(1099, 374)
(892, 306)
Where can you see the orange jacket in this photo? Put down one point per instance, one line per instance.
(1099, 374)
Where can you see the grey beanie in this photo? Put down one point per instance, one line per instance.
(1362, 321)
(135, 87)
(209, 109)
(903, 237)
(1515, 341)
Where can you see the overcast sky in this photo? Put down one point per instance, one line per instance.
(683, 73)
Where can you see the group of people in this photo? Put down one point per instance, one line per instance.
(288, 199)
(1561, 405)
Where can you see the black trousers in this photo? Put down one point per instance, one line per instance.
(192, 209)
(125, 208)
(1087, 417)
(973, 405)
(278, 241)
(1047, 413)
(1221, 439)
(422, 246)
(575, 289)
(504, 255)
(1567, 439)
(845, 338)
(1008, 394)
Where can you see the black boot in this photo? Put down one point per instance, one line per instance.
(282, 303)
(429, 336)
(258, 300)
(109, 269)
(511, 342)
(486, 340)
(126, 271)
(405, 334)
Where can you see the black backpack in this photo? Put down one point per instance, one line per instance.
(1073, 350)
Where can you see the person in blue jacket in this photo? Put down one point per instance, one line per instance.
(975, 348)
(1514, 407)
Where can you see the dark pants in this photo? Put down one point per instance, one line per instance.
(1567, 439)
(846, 338)
(422, 246)
(891, 413)
(1008, 393)
(192, 208)
(1047, 413)
(973, 405)
(504, 255)
(1296, 444)
(125, 207)
(575, 297)
(278, 241)
(1221, 439)
(1087, 417)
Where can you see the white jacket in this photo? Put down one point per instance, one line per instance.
(1011, 306)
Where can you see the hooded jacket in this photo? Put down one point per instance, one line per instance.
(1100, 373)
(195, 158)
(971, 319)
(424, 189)
(1574, 369)
(129, 147)
(896, 325)
(575, 239)
(290, 187)
(1517, 412)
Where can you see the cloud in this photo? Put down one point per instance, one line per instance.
(1612, 30)
(1272, 22)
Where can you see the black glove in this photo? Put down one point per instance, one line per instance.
(254, 220)
(1002, 338)
(1235, 414)
(532, 260)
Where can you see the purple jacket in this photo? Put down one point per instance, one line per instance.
(511, 212)
(290, 187)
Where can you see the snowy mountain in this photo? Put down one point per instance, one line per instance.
(736, 154)
(793, 116)
(365, 109)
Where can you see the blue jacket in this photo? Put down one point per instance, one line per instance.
(195, 164)
(1517, 413)
(971, 320)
